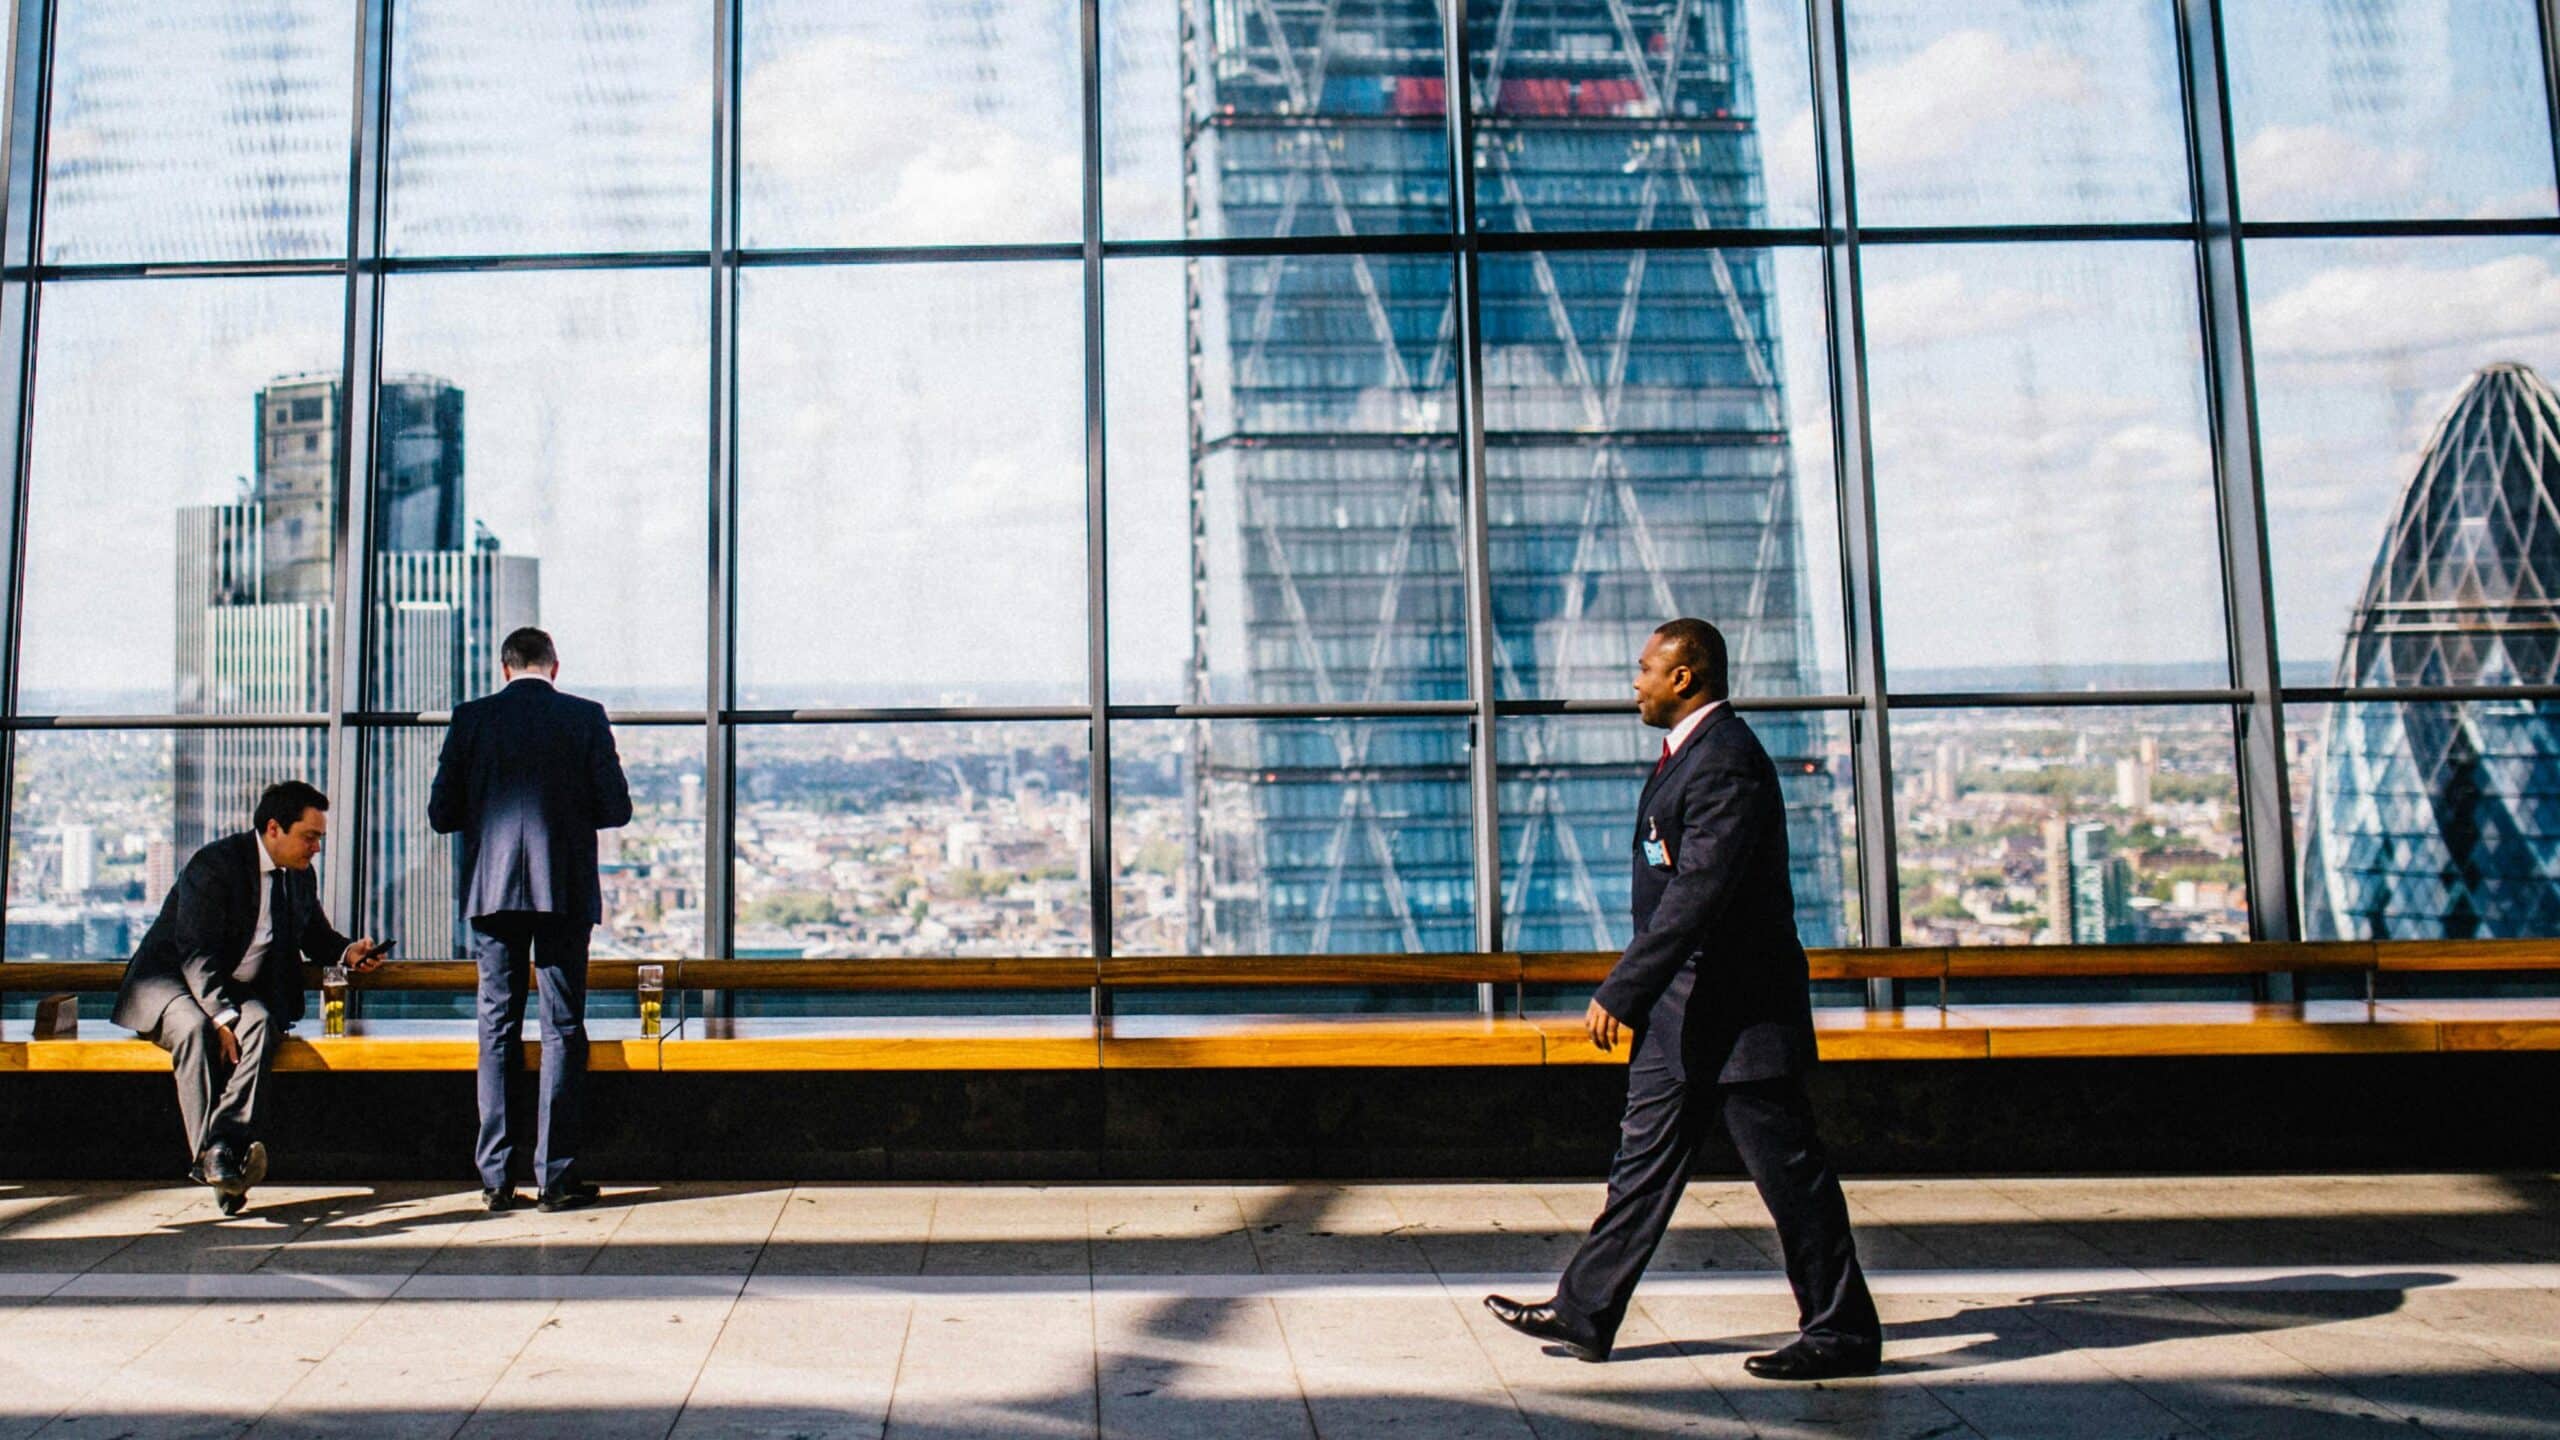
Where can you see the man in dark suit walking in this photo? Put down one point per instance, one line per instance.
(1712, 992)
(218, 977)
(527, 778)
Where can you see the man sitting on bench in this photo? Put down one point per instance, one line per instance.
(219, 977)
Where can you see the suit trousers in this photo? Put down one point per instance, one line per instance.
(1771, 1123)
(217, 1102)
(550, 952)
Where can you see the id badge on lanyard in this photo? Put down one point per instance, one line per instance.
(1656, 853)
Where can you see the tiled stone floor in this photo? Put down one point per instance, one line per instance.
(2090, 1309)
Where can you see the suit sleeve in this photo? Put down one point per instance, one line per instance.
(203, 915)
(321, 942)
(610, 793)
(1719, 800)
(444, 797)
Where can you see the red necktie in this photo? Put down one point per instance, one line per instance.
(1666, 757)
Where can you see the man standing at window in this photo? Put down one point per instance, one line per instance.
(218, 977)
(1712, 993)
(527, 777)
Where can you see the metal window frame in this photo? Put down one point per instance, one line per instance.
(2217, 231)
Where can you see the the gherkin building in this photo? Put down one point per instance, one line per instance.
(2436, 819)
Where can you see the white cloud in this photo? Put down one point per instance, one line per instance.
(2296, 167)
(1943, 306)
(2360, 311)
(1947, 97)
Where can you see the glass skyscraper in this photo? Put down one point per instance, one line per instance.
(255, 594)
(1637, 458)
(2442, 819)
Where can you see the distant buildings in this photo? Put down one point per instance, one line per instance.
(256, 594)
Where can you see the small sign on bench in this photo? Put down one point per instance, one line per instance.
(58, 1017)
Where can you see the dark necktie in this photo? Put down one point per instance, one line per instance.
(280, 917)
(1657, 765)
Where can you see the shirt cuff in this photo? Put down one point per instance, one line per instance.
(230, 1015)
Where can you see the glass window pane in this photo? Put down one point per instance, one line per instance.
(1291, 837)
(574, 125)
(1642, 463)
(101, 821)
(2011, 111)
(1244, 120)
(2407, 429)
(1284, 497)
(180, 535)
(651, 869)
(912, 491)
(1686, 117)
(2428, 822)
(2404, 109)
(544, 436)
(1569, 790)
(930, 839)
(2043, 468)
(199, 130)
(2079, 826)
(910, 122)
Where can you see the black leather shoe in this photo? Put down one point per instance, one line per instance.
(503, 1200)
(229, 1202)
(1805, 1362)
(217, 1167)
(1541, 1322)
(575, 1195)
(253, 1166)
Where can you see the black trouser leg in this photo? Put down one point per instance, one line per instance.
(503, 947)
(1657, 1143)
(1772, 1125)
(560, 969)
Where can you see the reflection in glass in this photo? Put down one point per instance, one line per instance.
(542, 438)
(2364, 351)
(1642, 465)
(571, 125)
(2084, 826)
(102, 821)
(910, 122)
(1284, 498)
(1570, 787)
(911, 482)
(2016, 111)
(2389, 109)
(651, 869)
(198, 130)
(2043, 468)
(1251, 120)
(180, 531)
(1291, 837)
(935, 839)
(1687, 116)
(2428, 821)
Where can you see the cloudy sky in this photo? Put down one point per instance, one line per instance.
(911, 441)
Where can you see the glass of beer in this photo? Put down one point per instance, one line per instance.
(653, 995)
(333, 1001)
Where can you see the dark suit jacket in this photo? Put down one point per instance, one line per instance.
(1715, 949)
(528, 776)
(204, 928)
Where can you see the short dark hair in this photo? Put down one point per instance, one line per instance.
(283, 804)
(528, 649)
(1700, 646)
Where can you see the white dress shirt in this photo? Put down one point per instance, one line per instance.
(255, 957)
(1681, 732)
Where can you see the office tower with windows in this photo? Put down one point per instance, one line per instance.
(1637, 457)
(256, 581)
(2442, 818)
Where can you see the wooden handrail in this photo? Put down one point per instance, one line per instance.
(1071, 972)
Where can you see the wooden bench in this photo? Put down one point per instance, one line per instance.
(1927, 1030)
